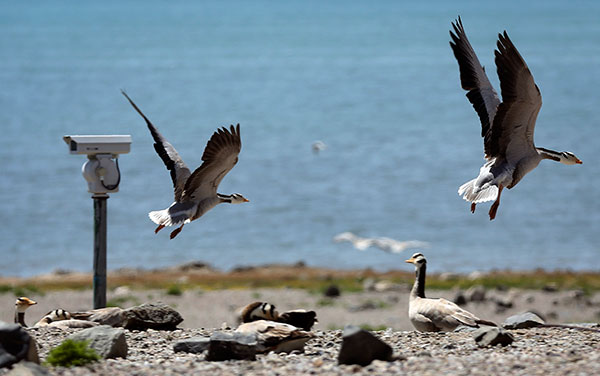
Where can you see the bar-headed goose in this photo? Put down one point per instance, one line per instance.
(507, 127)
(299, 318)
(276, 336)
(21, 306)
(195, 193)
(435, 315)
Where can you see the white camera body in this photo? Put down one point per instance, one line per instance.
(101, 171)
(98, 144)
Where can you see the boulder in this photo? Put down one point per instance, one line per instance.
(492, 336)
(523, 320)
(16, 345)
(332, 291)
(194, 345)
(361, 347)
(226, 346)
(25, 368)
(475, 294)
(157, 316)
(107, 341)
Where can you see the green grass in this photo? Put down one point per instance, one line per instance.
(120, 301)
(175, 290)
(72, 354)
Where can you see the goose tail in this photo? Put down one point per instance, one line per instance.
(470, 192)
(176, 214)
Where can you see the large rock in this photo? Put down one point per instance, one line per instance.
(226, 346)
(16, 345)
(492, 336)
(157, 316)
(194, 345)
(361, 347)
(28, 369)
(523, 320)
(107, 341)
(475, 294)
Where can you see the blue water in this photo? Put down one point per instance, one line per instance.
(376, 81)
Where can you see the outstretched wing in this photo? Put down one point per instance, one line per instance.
(512, 132)
(481, 94)
(220, 155)
(179, 171)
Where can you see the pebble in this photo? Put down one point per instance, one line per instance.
(456, 353)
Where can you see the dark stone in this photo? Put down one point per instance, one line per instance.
(107, 341)
(299, 318)
(492, 336)
(361, 347)
(475, 294)
(16, 345)
(226, 346)
(523, 320)
(25, 368)
(194, 345)
(332, 291)
(156, 316)
(460, 298)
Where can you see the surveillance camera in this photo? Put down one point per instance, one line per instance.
(98, 144)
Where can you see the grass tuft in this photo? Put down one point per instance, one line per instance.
(72, 354)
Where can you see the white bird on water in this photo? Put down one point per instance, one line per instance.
(507, 127)
(386, 244)
(195, 193)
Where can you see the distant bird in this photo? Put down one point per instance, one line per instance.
(299, 318)
(435, 315)
(507, 127)
(318, 146)
(276, 336)
(386, 244)
(21, 306)
(195, 193)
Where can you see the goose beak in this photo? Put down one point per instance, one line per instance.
(410, 260)
(246, 200)
(579, 161)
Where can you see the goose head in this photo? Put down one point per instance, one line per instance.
(237, 198)
(23, 303)
(568, 158)
(417, 260)
(259, 311)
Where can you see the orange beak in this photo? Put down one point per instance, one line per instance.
(579, 161)
(410, 260)
(246, 200)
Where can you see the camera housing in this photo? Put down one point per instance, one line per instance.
(98, 144)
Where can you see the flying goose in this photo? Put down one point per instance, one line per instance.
(195, 193)
(507, 127)
(435, 315)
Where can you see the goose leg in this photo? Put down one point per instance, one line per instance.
(496, 203)
(160, 227)
(176, 231)
(473, 207)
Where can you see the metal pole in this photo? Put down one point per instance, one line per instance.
(100, 249)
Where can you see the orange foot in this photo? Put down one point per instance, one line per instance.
(473, 207)
(176, 231)
(160, 227)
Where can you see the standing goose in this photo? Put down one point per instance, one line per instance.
(195, 193)
(435, 315)
(507, 127)
(21, 305)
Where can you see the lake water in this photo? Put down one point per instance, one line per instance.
(375, 81)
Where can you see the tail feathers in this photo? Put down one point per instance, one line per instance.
(476, 195)
(176, 214)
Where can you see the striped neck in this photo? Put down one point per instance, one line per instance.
(549, 154)
(224, 198)
(418, 289)
(20, 318)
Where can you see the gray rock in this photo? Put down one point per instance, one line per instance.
(492, 336)
(16, 345)
(194, 345)
(28, 369)
(361, 347)
(157, 316)
(107, 341)
(332, 291)
(475, 294)
(523, 320)
(460, 298)
(226, 346)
